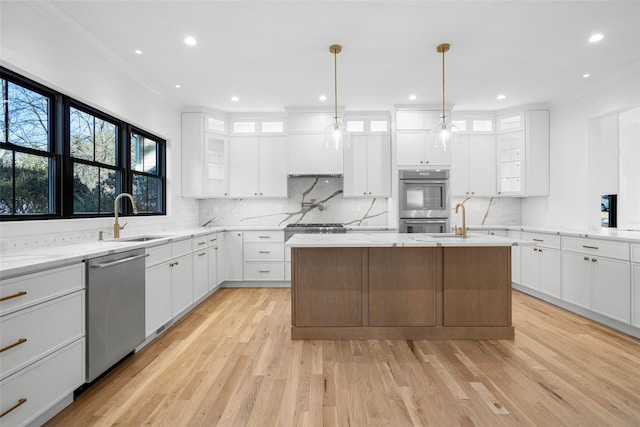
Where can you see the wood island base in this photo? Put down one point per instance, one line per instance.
(403, 293)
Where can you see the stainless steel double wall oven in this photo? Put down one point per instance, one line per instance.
(424, 201)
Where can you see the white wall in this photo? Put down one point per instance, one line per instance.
(574, 199)
(36, 42)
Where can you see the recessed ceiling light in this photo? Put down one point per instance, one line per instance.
(412, 97)
(138, 52)
(595, 38)
(322, 98)
(235, 98)
(501, 97)
(586, 75)
(190, 41)
(178, 86)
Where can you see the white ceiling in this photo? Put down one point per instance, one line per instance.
(274, 54)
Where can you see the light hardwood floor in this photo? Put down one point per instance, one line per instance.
(231, 363)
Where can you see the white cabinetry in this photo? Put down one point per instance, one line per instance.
(204, 156)
(233, 255)
(635, 285)
(306, 151)
(473, 166)
(169, 283)
(42, 324)
(540, 264)
(200, 248)
(367, 166)
(258, 166)
(264, 255)
(523, 154)
(414, 140)
(596, 275)
(212, 259)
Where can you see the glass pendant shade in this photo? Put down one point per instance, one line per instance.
(444, 135)
(336, 137)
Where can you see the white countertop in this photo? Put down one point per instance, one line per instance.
(627, 236)
(397, 240)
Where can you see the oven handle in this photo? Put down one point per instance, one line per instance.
(422, 181)
(120, 261)
(424, 221)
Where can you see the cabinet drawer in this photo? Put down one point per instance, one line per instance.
(181, 248)
(212, 240)
(44, 327)
(264, 236)
(198, 243)
(544, 240)
(157, 255)
(264, 271)
(603, 248)
(635, 253)
(42, 384)
(38, 287)
(263, 251)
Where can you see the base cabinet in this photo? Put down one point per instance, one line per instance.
(409, 274)
(540, 265)
(635, 294)
(576, 279)
(157, 297)
(328, 296)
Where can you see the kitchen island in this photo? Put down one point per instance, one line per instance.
(401, 286)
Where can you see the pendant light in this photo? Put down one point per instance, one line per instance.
(442, 134)
(335, 134)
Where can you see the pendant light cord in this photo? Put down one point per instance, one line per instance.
(335, 84)
(443, 51)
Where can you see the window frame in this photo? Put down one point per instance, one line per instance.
(60, 150)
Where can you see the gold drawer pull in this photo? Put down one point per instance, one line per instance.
(20, 402)
(594, 260)
(586, 258)
(201, 243)
(19, 294)
(264, 237)
(15, 344)
(264, 252)
(589, 247)
(212, 240)
(265, 271)
(538, 240)
(202, 254)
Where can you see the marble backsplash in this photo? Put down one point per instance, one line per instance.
(311, 200)
(488, 211)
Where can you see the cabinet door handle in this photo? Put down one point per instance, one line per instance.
(264, 237)
(537, 240)
(16, 295)
(535, 249)
(173, 264)
(539, 250)
(212, 240)
(15, 344)
(265, 271)
(586, 258)
(589, 247)
(264, 252)
(201, 243)
(594, 260)
(202, 254)
(20, 402)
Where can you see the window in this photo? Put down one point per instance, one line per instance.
(28, 162)
(97, 180)
(63, 159)
(147, 164)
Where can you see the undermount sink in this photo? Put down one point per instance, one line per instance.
(445, 236)
(139, 239)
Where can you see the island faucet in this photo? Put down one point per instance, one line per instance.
(463, 231)
(116, 226)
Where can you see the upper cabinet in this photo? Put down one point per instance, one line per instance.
(414, 140)
(306, 151)
(367, 158)
(523, 153)
(257, 166)
(204, 156)
(473, 151)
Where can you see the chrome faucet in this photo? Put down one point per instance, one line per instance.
(463, 231)
(116, 226)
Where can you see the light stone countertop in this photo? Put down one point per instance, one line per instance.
(387, 239)
(626, 236)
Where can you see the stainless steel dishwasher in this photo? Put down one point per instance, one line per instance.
(115, 309)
